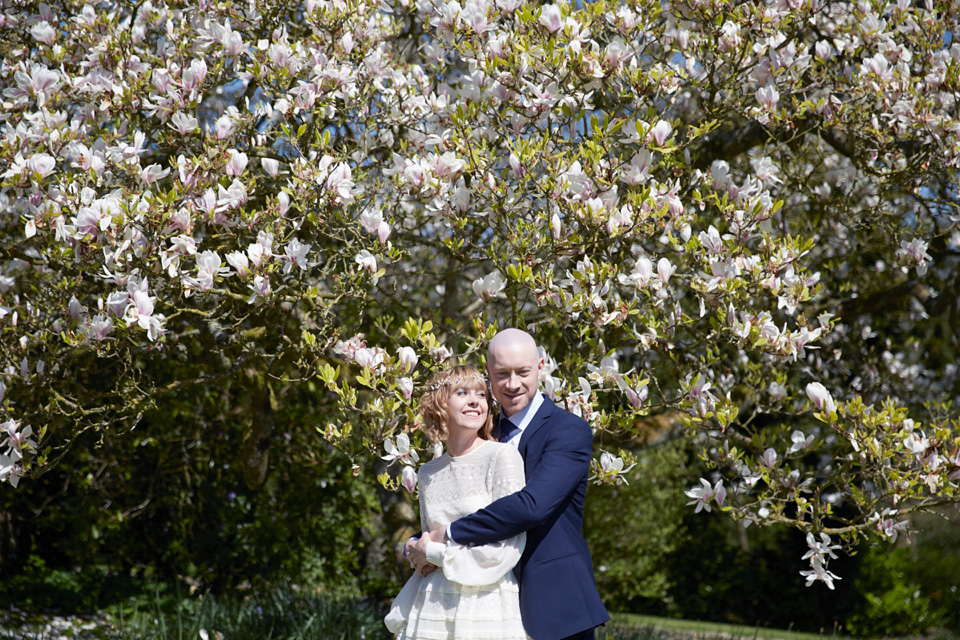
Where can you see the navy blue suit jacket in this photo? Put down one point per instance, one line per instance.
(558, 591)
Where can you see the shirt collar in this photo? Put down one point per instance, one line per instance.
(523, 417)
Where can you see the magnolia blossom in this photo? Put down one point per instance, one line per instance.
(369, 358)
(42, 163)
(551, 17)
(372, 221)
(490, 286)
(820, 397)
(799, 441)
(209, 268)
(610, 469)
(820, 551)
(660, 132)
(261, 289)
(408, 478)
(665, 270)
(698, 388)
(17, 441)
(405, 385)
(366, 260)
(97, 328)
(239, 262)
(915, 252)
(769, 458)
(295, 254)
(183, 123)
(236, 163)
(704, 494)
(888, 527)
(10, 470)
(819, 572)
(271, 166)
(401, 451)
(140, 311)
(407, 358)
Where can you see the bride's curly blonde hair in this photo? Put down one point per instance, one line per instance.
(433, 402)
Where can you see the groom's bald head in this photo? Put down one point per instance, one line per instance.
(514, 366)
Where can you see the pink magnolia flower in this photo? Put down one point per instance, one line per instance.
(183, 123)
(193, 75)
(551, 17)
(408, 478)
(295, 254)
(372, 221)
(768, 97)
(209, 267)
(818, 571)
(730, 38)
(224, 127)
(44, 32)
(406, 387)
(370, 357)
(366, 260)
(237, 163)
(97, 328)
(704, 494)
(140, 311)
(261, 289)
(232, 42)
(407, 358)
(556, 226)
(660, 132)
(641, 275)
(820, 397)
(769, 458)
(40, 82)
(42, 163)
(17, 440)
(10, 470)
(239, 262)
(665, 270)
(153, 173)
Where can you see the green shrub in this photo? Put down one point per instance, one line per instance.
(286, 614)
(631, 528)
(893, 602)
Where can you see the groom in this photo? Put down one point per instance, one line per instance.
(558, 591)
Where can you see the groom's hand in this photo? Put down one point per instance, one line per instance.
(439, 534)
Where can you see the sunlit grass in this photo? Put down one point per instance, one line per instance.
(706, 630)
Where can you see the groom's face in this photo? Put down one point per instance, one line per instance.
(514, 374)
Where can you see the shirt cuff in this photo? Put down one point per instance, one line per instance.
(435, 553)
(403, 547)
(450, 533)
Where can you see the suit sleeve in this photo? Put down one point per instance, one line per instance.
(562, 466)
(487, 563)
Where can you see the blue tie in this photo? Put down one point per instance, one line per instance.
(507, 429)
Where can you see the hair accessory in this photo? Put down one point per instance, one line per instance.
(456, 381)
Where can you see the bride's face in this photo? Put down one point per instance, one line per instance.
(466, 409)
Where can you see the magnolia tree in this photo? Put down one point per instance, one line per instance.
(742, 214)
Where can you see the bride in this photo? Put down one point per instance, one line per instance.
(473, 594)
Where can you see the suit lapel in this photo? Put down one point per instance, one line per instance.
(539, 419)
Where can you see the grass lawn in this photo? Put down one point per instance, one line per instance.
(714, 629)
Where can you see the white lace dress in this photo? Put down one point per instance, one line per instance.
(473, 594)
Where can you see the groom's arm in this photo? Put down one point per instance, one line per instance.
(563, 465)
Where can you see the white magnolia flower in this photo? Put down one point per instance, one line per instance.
(490, 286)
